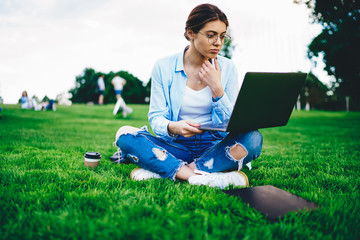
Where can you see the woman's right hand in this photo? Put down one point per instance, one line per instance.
(186, 128)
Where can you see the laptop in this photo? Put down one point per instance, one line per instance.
(264, 100)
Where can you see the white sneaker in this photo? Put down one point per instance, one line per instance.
(139, 174)
(220, 180)
(126, 111)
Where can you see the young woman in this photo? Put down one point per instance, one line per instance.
(188, 89)
(25, 101)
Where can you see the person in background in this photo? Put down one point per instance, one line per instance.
(25, 101)
(46, 106)
(101, 87)
(118, 84)
(51, 106)
(193, 87)
(33, 102)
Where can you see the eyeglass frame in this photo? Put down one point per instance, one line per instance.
(216, 37)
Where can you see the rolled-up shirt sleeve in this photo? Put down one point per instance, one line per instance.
(224, 106)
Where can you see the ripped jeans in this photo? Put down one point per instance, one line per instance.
(209, 150)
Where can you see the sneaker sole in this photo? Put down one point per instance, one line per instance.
(133, 172)
(246, 178)
(242, 174)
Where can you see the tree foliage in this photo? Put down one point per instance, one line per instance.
(227, 49)
(86, 89)
(338, 43)
(315, 93)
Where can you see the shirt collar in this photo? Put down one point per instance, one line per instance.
(180, 60)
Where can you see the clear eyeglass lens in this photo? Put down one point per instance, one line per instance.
(213, 38)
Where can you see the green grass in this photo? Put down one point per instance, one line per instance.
(47, 193)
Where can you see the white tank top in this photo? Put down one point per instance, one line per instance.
(196, 105)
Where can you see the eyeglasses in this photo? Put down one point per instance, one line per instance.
(212, 38)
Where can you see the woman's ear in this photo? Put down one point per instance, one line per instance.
(190, 34)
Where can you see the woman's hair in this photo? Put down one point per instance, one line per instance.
(203, 14)
(24, 93)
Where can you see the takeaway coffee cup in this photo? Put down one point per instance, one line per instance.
(92, 159)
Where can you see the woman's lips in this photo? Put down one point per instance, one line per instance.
(214, 51)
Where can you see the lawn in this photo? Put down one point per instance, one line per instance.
(47, 193)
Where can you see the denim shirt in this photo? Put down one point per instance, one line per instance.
(168, 82)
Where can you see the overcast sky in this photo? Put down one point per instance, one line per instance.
(45, 44)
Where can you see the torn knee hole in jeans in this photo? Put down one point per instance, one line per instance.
(134, 158)
(237, 153)
(160, 154)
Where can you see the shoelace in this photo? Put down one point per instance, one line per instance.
(221, 180)
(216, 179)
(118, 151)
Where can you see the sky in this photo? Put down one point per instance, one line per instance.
(45, 44)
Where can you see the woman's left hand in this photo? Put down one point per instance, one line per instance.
(211, 76)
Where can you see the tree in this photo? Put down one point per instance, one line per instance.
(86, 90)
(338, 43)
(45, 99)
(134, 91)
(228, 48)
(314, 92)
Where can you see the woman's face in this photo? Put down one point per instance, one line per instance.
(208, 47)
